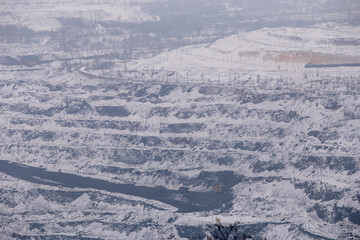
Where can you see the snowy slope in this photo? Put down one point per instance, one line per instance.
(288, 157)
(262, 52)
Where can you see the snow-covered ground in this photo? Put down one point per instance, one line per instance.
(265, 52)
(40, 15)
(240, 116)
(297, 151)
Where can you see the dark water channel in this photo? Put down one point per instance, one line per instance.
(182, 199)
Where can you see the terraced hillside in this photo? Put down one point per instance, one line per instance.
(163, 159)
(149, 119)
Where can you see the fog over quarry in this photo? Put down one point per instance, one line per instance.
(135, 119)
